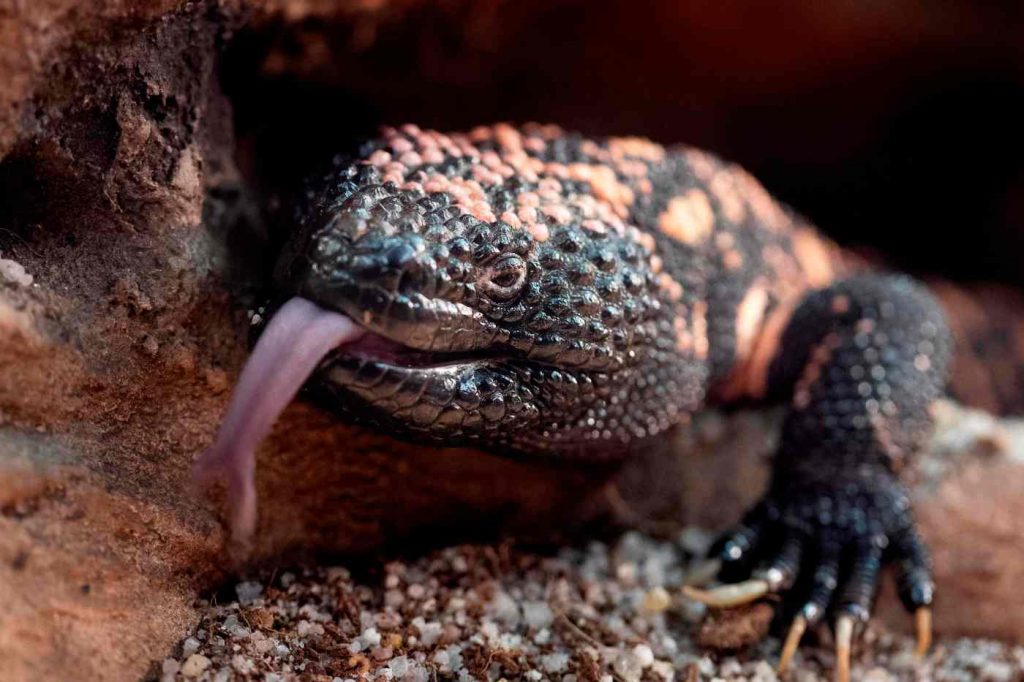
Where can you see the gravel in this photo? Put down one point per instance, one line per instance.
(600, 613)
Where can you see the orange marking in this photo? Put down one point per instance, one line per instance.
(700, 329)
(605, 185)
(723, 187)
(508, 137)
(702, 164)
(684, 339)
(814, 257)
(672, 288)
(688, 218)
(539, 231)
(732, 260)
(638, 147)
(749, 377)
(749, 316)
(820, 356)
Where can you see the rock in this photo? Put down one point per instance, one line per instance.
(733, 629)
(195, 665)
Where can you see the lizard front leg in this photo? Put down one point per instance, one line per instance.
(860, 363)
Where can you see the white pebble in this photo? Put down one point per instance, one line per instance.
(242, 665)
(430, 632)
(170, 667)
(555, 663)
(248, 591)
(627, 666)
(305, 628)
(14, 272)
(643, 654)
(399, 666)
(190, 646)
(537, 614)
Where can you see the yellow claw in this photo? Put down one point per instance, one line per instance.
(844, 640)
(923, 625)
(728, 595)
(796, 631)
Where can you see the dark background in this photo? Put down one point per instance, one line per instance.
(894, 125)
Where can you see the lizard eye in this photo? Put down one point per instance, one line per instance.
(503, 280)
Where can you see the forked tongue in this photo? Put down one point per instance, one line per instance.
(292, 345)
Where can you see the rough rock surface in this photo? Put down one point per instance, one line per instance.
(130, 252)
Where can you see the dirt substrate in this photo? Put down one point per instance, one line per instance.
(595, 613)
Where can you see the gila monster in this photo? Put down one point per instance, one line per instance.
(537, 293)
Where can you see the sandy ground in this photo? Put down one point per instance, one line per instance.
(603, 612)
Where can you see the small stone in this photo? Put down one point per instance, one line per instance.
(430, 632)
(242, 665)
(996, 671)
(15, 273)
(306, 629)
(537, 614)
(399, 666)
(195, 665)
(627, 666)
(504, 608)
(248, 591)
(643, 654)
(656, 600)
(555, 663)
(626, 572)
(190, 646)
(664, 670)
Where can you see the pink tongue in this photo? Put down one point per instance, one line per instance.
(293, 344)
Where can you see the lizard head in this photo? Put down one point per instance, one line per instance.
(450, 290)
(474, 330)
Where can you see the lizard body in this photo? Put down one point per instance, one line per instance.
(541, 294)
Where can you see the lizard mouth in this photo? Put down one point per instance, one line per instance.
(374, 348)
(302, 339)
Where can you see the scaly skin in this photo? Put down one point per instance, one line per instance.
(541, 294)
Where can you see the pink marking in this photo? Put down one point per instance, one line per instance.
(401, 145)
(379, 158)
(293, 344)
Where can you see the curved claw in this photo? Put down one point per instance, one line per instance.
(844, 641)
(796, 632)
(729, 595)
(923, 626)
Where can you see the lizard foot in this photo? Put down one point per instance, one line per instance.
(822, 549)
